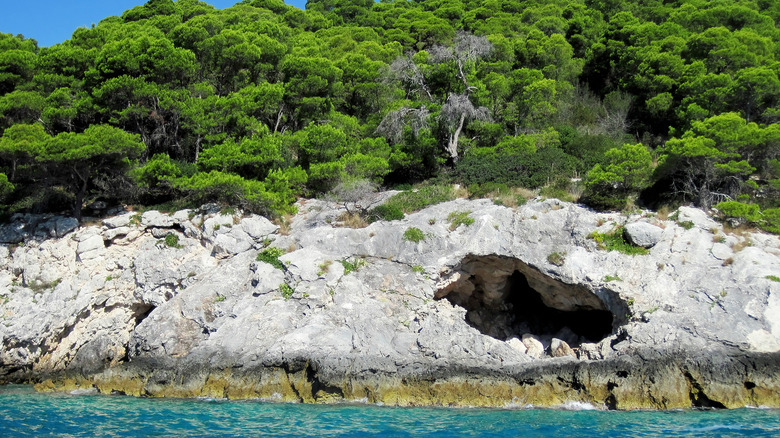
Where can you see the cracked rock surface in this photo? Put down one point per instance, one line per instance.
(520, 307)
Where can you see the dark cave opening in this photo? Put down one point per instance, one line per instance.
(531, 315)
(506, 298)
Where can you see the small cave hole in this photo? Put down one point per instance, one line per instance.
(506, 298)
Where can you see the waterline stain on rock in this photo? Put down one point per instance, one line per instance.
(505, 298)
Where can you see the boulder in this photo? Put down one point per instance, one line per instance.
(643, 234)
(517, 344)
(559, 348)
(14, 232)
(234, 242)
(119, 221)
(91, 247)
(154, 218)
(533, 345)
(258, 227)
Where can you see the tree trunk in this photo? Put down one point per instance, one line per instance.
(452, 143)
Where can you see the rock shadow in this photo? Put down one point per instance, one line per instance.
(505, 298)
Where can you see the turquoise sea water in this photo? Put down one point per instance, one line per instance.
(25, 413)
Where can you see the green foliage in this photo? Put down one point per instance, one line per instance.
(458, 218)
(616, 241)
(415, 200)
(172, 240)
(260, 103)
(420, 270)
(271, 256)
(6, 188)
(736, 209)
(353, 265)
(556, 258)
(386, 212)
(414, 235)
(608, 278)
(774, 278)
(286, 290)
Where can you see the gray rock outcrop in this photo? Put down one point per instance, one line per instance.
(519, 307)
(643, 234)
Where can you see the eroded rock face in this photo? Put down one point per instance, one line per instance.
(507, 298)
(519, 307)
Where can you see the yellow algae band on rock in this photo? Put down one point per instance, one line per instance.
(662, 383)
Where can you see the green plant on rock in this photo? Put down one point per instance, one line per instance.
(615, 241)
(418, 269)
(286, 290)
(352, 266)
(410, 201)
(774, 278)
(385, 212)
(608, 278)
(556, 258)
(271, 256)
(458, 218)
(324, 267)
(172, 240)
(414, 235)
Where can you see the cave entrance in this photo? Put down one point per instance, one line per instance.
(506, 298)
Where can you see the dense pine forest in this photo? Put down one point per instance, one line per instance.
(614, 103)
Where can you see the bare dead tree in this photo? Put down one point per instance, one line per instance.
(455, 112)
(404, 70)
(392, 126)
(468, 48)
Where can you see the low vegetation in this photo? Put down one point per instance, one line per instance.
(413, 234)
(458, 218)
(615, 241)
(271, 256)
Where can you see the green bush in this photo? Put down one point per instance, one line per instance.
(556, 258)
(771, 220)
(615, 241)
(286, 290)
(736, 209)
(352, 266)
(520, 168)
(385, 212)
(271, 256)
(414, 235)
(172, 240)
(487, 189)
(458, 218)
(415, 200)
(604, 198)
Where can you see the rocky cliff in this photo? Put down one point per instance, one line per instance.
(520, 306)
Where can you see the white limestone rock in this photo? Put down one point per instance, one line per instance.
(643, 234)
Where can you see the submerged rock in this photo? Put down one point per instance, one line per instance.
(520, 306)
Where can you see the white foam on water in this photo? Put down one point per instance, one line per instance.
(84, 391)
(576, 406)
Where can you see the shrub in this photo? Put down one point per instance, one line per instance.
(736, 209)
(615, 241)
(352, 266)
(286, 290)
(385, 212)
(172, 240)
(556, 258)
(458, 218)
(414, 235)
(415, 200)
(271, 256)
